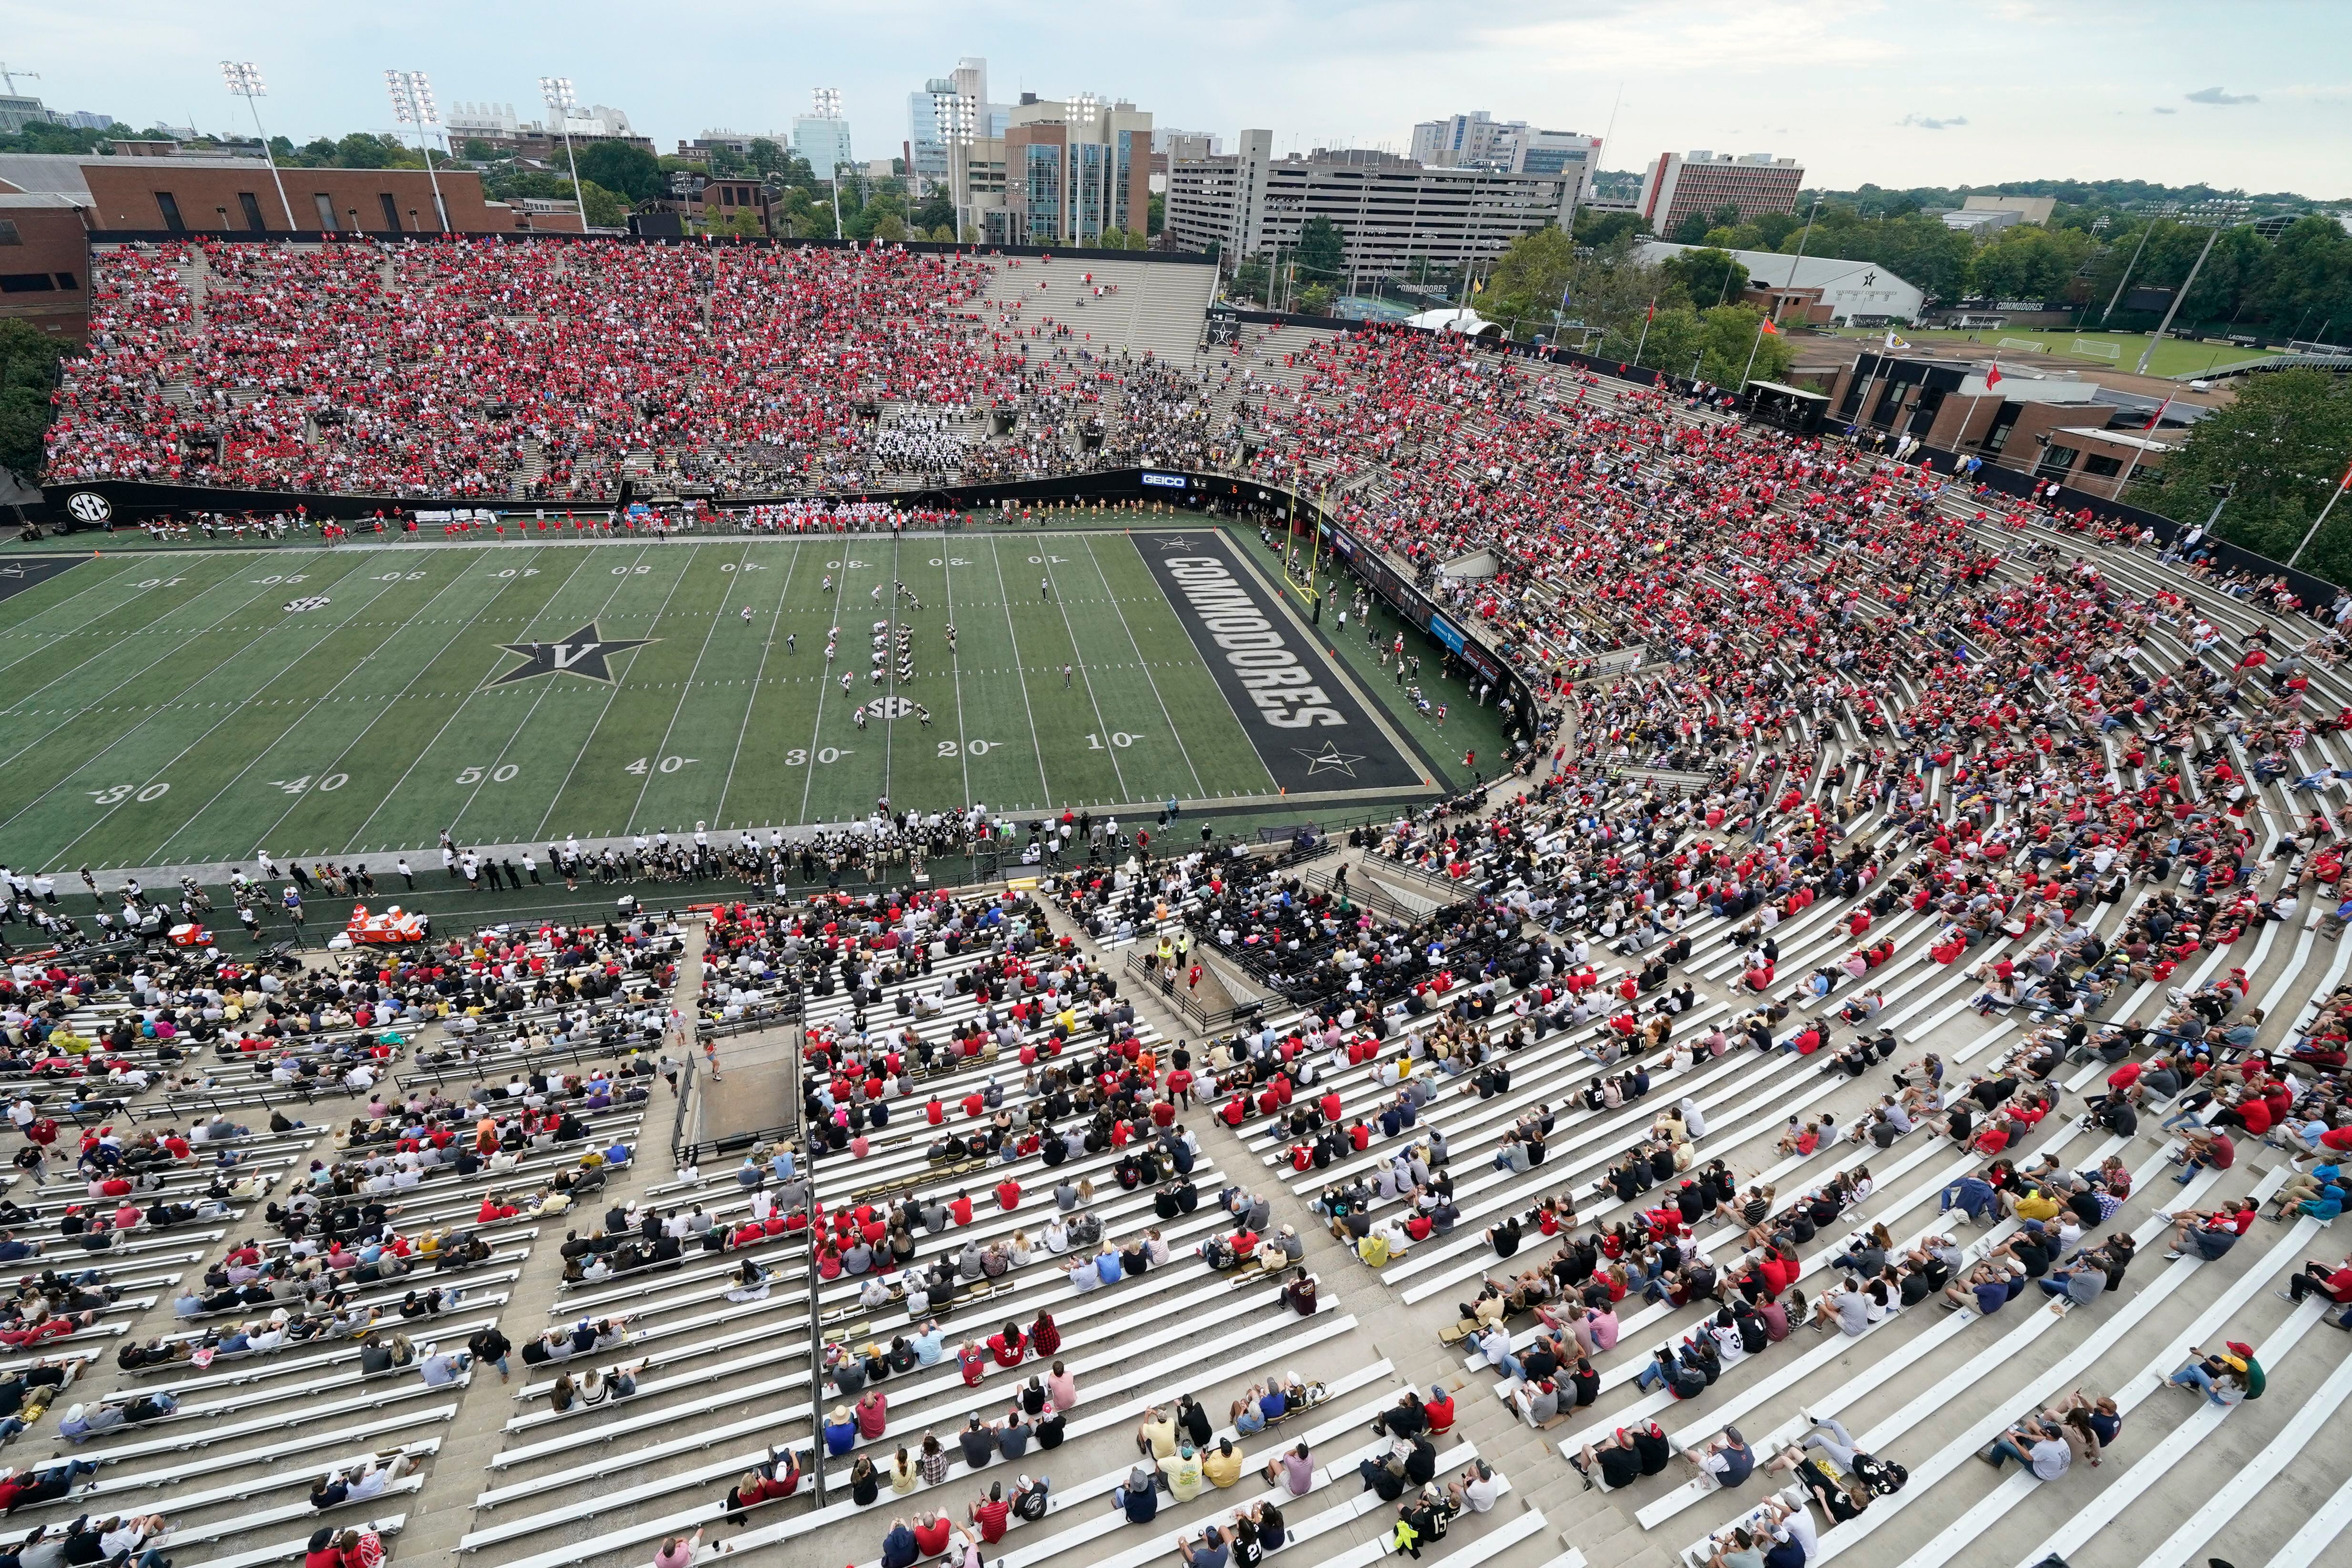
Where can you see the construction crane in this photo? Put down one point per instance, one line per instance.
(10, 77)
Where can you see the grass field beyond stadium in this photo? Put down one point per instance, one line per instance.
(190, 708)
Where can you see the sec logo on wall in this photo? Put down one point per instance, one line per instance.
(89, 505)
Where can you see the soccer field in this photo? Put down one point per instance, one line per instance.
(192, 710)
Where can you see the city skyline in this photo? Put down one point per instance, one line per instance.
(1874, 94)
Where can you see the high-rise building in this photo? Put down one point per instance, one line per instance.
(1701, 184)
(821, 137)
(1042, 171)
(1397, 217)
(926, 153)
(18, 111)
(1472, 141)
(84, 119)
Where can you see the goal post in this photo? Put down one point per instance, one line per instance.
(2091, 348)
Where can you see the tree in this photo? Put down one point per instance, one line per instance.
(1156, 214)
(41, 137)
(1672, 342)
(937, 211)
(605, 209)
(1321, 253)
(1709, 275)
(2029, 262)
(363, 150)
(623, 168)
(1723, 216)
(28, 375)
(1315, 299)
(1527, 281)
(1253, 278)
(765, 155)
(889, 226)
(1729, 335)
(479, 150)
(2281, 447)
(1770, 229)
(1691, 230)
(1600, 229)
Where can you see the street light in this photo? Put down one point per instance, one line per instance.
(412, 104)
(556, 91)
(244, 81)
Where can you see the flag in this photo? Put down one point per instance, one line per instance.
(1770, 330)
(1651, 314)
(1992, 378)
(2155, 418)
(1894, 342)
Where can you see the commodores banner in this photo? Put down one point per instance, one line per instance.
(1305, 723)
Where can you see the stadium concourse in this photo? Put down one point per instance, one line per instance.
(1871, 1083)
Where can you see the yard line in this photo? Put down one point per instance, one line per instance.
(891, 649)
(615, 692)
(308, 709)
(404, 691)
(142, 669)
(1045, 565)
(1035, 744)
(537, 698)
(775, 623)
(1112, 594)
(686, 693)
(955, 671)
(65, 853)
(42, 641)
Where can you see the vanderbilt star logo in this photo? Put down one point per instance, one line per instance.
(583, 653)
(1332, 757)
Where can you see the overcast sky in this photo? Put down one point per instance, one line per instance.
(2248, 93)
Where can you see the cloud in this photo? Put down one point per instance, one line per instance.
(2215, 95)
(2161, 109)
(1927, 123)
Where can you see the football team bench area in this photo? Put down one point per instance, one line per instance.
(189, 709)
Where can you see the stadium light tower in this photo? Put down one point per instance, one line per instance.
(412, 104)
(956, 114)
(557, 92)
(243, 79)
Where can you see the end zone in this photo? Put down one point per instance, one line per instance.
(1310, 726)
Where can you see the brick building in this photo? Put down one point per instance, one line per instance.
(1701, 183)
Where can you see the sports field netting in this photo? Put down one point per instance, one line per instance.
(190, 710)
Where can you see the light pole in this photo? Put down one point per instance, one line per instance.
(955, 115)
(412, 104)
(2221, 220)
(243, 79)
(1803, 240)
(2322, 518)
(2145, 230)
(556, 90)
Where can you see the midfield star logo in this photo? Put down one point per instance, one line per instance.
(583, 653)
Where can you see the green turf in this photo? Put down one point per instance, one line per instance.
(168, 709)
(2174, 356)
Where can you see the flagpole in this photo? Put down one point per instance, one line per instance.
(2133, 463)
(1761, 323)
(1645, 330)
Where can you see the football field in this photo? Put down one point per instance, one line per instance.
(189, 709)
